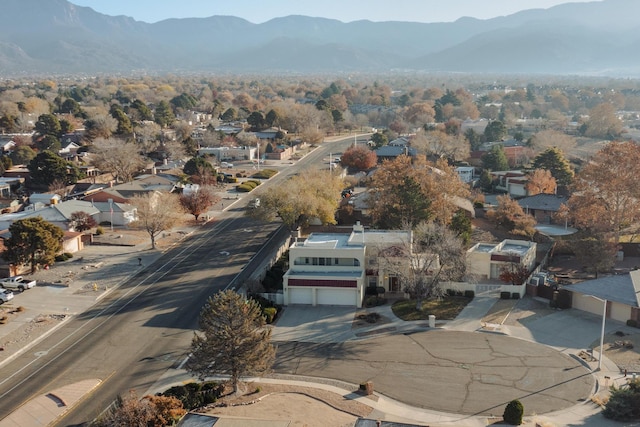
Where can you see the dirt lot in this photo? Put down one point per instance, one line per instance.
(302, 406)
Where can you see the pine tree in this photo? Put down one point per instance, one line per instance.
(232, 339)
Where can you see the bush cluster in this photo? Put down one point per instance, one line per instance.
(63, 257)
(264, 174)
(270, 310)
(374, 301)
(624, 403)
(248, 186)
(196, 395)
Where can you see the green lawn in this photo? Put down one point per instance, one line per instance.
(446, 308)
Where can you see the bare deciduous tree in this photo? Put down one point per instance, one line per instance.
(198, 202)
(606, 197)
(434, 256)
(118, 157)
(156, 212)
(150, 411)
(552, 138)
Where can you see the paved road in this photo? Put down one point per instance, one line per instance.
(144, 326)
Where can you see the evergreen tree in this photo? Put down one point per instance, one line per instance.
(232, 339)
(47, 167)
(495, 159)
(553, 160)
(34, 241)
(164, 114)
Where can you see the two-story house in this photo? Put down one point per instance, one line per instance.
(335, 269)
(487, 260)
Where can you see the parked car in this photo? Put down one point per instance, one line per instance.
(5, 295)
(17, 282)
(226, 165)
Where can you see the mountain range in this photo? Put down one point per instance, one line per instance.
(57, 37)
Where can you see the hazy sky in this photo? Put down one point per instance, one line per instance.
(258, 11)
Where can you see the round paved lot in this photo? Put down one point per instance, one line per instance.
(457, 372)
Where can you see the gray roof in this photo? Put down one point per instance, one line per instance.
(623, 288)
(394, 151)
(544, 202)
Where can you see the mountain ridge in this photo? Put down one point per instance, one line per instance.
(56, 36)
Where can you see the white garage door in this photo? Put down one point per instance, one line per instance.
(337, 297)
(300, 296)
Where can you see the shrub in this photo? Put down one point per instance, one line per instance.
(374, 301)
(99, 231)
(244, 188)
(195, 395)
(515, 295)
(265, 174)
(513, 413)
(623, 402)
(269, 313)
(505, 295)
(469, 294)
(633, 323)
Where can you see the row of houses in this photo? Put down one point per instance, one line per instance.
(106, 204)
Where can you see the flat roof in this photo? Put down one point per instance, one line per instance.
(511, 247)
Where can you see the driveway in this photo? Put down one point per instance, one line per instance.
(320, 324)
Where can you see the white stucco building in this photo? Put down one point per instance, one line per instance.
(335, 269)
(486, 260)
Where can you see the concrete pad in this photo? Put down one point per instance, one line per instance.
(468, 373)
(320, 324)
(44, 409)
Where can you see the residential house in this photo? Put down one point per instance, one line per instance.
(513, 182)
(478, 126)
(543, 206)
(620, 293)
(223, 154)
(487, 260)
(335, 269)
(7, 146)
(391, 152)
(143, 184)
(269, 134)
(516, 152)
(466, 173)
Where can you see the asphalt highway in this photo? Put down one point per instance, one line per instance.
(145, 326)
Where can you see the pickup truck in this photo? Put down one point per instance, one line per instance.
(17, 282)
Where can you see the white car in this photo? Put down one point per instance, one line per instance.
(226, 165)
(6, 295)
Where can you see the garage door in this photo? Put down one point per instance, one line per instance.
(300, 296)
(337, 297)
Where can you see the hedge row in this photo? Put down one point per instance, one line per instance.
(265, 174)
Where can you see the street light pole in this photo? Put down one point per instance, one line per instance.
(604, 319)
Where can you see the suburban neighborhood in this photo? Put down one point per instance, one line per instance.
(348, 248)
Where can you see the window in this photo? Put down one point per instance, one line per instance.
(336, 261)
(306, 260)
(321, 261)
